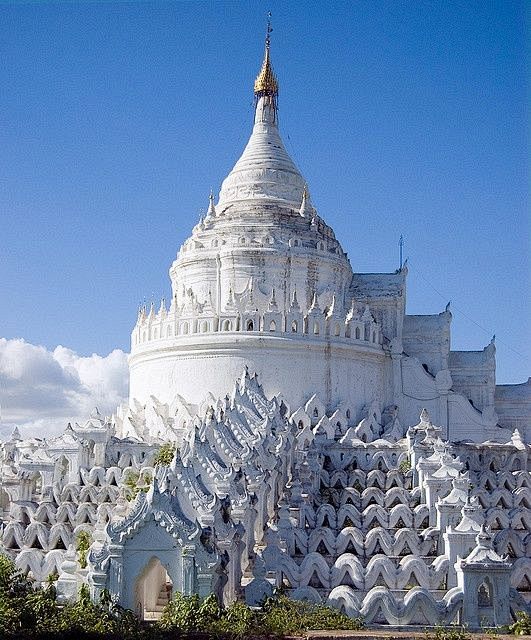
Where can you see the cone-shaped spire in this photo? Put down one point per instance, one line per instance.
(264, 172)
(230, 300)
(266, 83)
(332, 307)
(314, 307)
(294, 306)
(15, 434)
(211, 207)
(273, 302)
(306, 209)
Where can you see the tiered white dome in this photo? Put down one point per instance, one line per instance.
(264, 171)
(261, 276)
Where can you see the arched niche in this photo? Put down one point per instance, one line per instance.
(153, 590)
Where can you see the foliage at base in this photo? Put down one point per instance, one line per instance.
(27, 611)
(450, 632)
(279, 616)
(522, 626)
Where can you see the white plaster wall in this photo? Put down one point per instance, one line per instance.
(316, 264)
(295, 367)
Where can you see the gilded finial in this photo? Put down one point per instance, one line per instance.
(266, 83)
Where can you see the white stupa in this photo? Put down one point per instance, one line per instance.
(263, 282)
(290, 388)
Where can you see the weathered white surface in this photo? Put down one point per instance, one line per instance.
(316, 476)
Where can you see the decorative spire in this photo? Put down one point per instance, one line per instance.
(314, 307)
(250, 306)
(230, 300)
(332, 308)
(367, 315)
(306, 209)
(15, 434)
(353, 312)
(294, 306)
(273, 302)
(211, 208)
(266, 83)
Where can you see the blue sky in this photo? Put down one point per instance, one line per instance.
(117, 118)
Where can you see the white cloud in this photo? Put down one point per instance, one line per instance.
(42, 390)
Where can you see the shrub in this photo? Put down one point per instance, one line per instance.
(103, 618)
(282, 616)
(279, 616)
(449, 633)
(237, 621)
(164, 455)
(15, 589)
(522, 626)
(83, 542)
(190, 613)
(132, 483)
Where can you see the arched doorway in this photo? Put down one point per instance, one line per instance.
(153, 590)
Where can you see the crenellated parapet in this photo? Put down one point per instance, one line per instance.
(248, 313)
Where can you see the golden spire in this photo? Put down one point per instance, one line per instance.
(266, 83)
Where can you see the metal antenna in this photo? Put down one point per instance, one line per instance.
(401, 248)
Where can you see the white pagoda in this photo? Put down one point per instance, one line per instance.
(286, 390)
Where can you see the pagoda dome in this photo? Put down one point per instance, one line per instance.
(262, 275)
(263, 221)
(264, 171)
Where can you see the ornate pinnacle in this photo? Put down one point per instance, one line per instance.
(211, 207)
(266, 83)
(306, 208)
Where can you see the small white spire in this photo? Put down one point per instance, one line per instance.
(209, 304)
(230, 300)
(273, 302)
(332, 307)
(353, 312)
(294, 306)
(315, 303)
(211, 208)
(367, 315)
(306, 210)
(250, 306)
(173, 304)
(15, 434)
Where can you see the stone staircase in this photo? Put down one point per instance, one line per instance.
(163, 599)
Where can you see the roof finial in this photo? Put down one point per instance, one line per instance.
(268, 30)
(266, 83)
